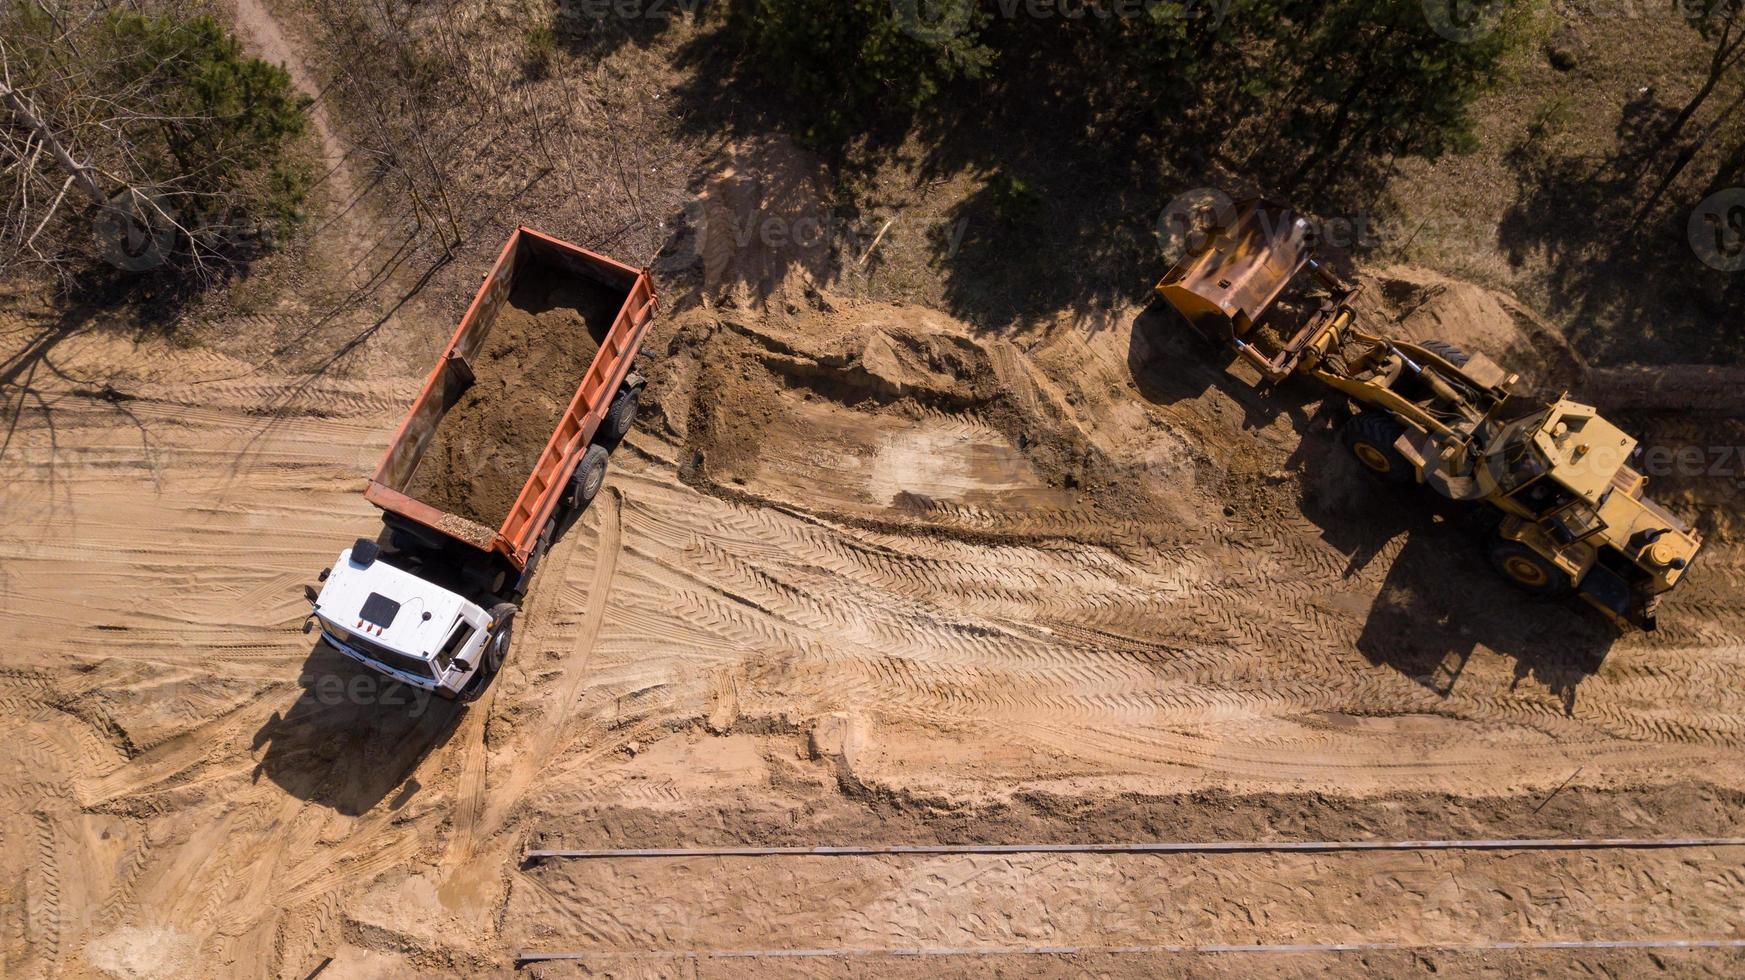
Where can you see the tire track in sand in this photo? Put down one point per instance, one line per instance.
(528, 764)
(471, 785)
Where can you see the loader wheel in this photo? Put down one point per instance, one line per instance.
(590, 476)
(1447, 351)
(1370, 437)
(1529, 570)
(621, 415)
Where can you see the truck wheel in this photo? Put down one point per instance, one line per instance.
(492, 656)
(1370, 437)
(1447, 351)
(497, 650)
(590, 476)
(1528, 569)
(621, 416)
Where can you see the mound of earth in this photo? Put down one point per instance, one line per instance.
(1422, 305)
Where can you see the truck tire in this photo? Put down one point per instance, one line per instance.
(621, 416)
(497, 650)
(492, 656)
(1370, 437)
(590, 477)
(1447, 351)
(1528, 570)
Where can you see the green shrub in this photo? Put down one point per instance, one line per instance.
(225, 124)
(539, 53)
(1013, 201)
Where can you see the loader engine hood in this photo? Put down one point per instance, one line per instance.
(1585, 451)
(387, 606)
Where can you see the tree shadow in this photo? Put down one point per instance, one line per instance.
(1071, 169)
(351, 737)
(33, 382)
(594, 31)
(1623, 272)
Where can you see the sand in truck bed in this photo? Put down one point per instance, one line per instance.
(531, 363)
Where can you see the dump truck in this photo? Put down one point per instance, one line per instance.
(431, 600)
(1570, 514)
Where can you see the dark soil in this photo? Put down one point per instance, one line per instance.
(532, 361)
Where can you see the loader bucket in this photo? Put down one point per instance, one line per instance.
(1226, 284)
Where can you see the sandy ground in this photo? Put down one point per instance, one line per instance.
(862, 575)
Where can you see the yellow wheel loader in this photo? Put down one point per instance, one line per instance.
(1572, 512)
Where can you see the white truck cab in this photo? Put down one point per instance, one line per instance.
(405, 627)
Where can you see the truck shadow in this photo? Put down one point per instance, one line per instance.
(1441, 603)
(352, 737)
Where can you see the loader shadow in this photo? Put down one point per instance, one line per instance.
(352, 737)
(1171, 363)
(1441, 602)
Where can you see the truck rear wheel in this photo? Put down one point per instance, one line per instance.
(590, 477)
(1528, 570)
(1370, 437)
(622, 415)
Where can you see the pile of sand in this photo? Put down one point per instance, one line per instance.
(532, 361)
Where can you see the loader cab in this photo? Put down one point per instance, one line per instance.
(400, 625)
(1547, 468)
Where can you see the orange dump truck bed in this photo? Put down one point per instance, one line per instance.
(527, 253)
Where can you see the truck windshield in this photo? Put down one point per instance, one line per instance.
(1575, 522)
(1543, 496)
(416, 666)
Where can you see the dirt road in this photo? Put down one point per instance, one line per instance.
(864, 575)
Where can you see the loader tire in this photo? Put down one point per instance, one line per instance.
(1448, 352)
(1528, 570)
(621, 416)
(1370, 437)
(590, 477)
